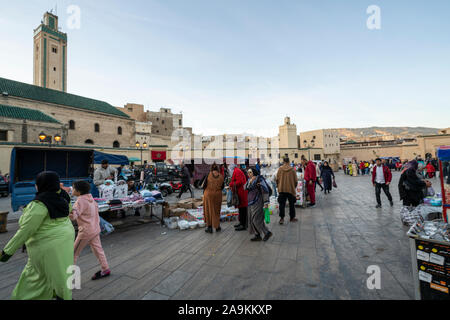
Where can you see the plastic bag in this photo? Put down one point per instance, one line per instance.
(105, 227)
(183, 224)
(267, 215)
(229, 198)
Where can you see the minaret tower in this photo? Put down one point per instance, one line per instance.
(50, 55)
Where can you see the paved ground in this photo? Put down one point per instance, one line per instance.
(323, 256)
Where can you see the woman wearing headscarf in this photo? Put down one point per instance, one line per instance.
(237, 183)
(48, 233)
(326, 175)
(258, 191)
(355, 169)
(411, 187)
(212, 199)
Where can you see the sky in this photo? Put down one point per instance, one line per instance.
(234, 66)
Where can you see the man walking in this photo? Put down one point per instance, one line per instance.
(286, 183)
(381, 178)
(310, 178)
(185, 181)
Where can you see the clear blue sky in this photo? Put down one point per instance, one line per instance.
(236, 66)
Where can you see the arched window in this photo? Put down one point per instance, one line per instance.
(116, 144)
(89, 141)
(72, 125)
(119, 130)
(97, 127)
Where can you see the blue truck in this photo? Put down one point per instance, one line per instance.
(70, 163)
(27, 162)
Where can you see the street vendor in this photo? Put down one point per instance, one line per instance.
(411, 186)
(48, 233)
(103, 173)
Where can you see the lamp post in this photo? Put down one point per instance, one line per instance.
(144, 146)
(42, 137)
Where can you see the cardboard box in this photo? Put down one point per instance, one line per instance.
(197, 204)
(176, 212)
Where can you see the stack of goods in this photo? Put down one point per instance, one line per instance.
(102, 204)
(299, 193)
(421, 213)
(197, 213)
(115, 204)
(188, 217)
(434, 230)
(106, 190)
(121, 190)
(227, 213)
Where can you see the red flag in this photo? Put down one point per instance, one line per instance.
(158, 155)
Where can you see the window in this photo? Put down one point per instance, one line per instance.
(314, 137)
(317, 157)
(162, 121)
(54, 68)
(97, 127)
(157, 119)
(72, 125)
(119, 130)
(296, 156)
(180, 122)
(54, 50)
(116, 144)
(3, 135)
(89, 141)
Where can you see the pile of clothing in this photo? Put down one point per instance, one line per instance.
(434, 230)
(421, 213)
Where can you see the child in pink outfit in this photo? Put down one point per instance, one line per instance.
(85, 213)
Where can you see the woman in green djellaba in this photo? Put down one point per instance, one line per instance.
(47, 232)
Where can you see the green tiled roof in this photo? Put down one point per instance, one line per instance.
(23, 113)
(28, 91)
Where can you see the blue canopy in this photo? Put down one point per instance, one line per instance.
(443, 153)
(112, 158)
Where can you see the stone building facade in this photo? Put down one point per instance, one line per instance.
(20, 125)
(87, 121)
(164, 122)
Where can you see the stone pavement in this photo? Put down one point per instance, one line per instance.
(323, 256)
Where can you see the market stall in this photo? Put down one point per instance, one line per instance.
(430, 245)
(114, 198)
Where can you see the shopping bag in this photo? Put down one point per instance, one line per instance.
(334, 184)
(235, 199)
(229, 198)
(105, 227)
(267, 215)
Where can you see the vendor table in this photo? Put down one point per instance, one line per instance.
(431, 268)
(431, 258)
(148, 210)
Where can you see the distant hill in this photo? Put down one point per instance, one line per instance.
(404, 132)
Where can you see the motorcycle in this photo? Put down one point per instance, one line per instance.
(165, 189)
(176, 186)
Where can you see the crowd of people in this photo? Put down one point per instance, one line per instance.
(429, 167)
(47, 232)
(412, 180)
